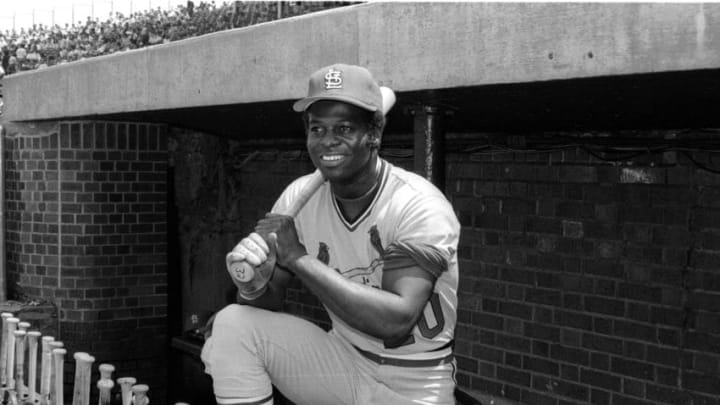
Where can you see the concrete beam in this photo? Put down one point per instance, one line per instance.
(408, 46)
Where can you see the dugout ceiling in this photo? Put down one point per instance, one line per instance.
(498, 66)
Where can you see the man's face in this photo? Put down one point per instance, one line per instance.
(337, 140)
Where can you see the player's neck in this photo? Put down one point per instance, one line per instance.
(354, 203)
(362, 186)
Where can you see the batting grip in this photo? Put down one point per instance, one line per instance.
(244, 273)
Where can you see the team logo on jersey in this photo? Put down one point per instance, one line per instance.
(363, 274)
(324, 253)
(333, 79)
(375, 240)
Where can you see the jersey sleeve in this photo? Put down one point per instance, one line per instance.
(427, 236)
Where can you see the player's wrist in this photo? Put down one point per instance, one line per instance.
(295, 262)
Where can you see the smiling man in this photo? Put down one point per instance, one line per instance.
(376, 244)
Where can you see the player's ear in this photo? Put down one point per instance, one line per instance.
(373, 140)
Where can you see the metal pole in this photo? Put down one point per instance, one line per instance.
(92, 9)
(73, 15)
(429, 144)
(53, 17)
(33, 18)
(3, 270)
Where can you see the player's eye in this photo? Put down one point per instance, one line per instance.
(316, 130)
(344, 129)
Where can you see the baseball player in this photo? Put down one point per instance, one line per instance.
(375, 243)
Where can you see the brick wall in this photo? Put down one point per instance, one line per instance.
(583, 280)
(589, 281)
(86, 230)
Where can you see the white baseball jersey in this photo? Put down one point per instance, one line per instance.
(408, 223)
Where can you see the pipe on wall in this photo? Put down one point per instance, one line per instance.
(429, 144)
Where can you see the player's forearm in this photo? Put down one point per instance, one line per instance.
(381, 314)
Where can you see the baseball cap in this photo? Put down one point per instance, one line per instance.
(348, 83)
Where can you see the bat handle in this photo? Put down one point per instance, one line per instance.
(4, 348)
(56, 344)
(126, 384)
(58, 367)
(20, 362)
(140, 394)
(83, 370)
(32, 338)
(12, 324)
(45, 369)
(105, 384)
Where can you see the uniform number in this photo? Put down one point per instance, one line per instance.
(430, 324)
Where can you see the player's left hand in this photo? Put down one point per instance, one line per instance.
(281, 235)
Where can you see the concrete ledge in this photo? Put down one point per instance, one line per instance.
(409, 46)
(41, 316)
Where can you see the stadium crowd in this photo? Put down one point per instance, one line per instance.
(42, 46)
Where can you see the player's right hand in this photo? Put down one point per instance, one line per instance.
(252, 249)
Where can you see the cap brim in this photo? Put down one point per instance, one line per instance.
(302, 105)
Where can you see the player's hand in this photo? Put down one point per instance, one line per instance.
(282, 237)
(252, 249)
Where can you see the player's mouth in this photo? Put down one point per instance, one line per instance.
(332, 160)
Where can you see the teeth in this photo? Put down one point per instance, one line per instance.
(331, 157)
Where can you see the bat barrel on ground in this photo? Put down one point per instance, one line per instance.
(83, 373)
(32, 339)
(58, 365)
(105, 384)
(126, 384)
(45, 369)
(20, 363)
(140, 394)
(4, 348)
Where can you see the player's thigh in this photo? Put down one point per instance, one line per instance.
(422, 385)
(308, 365)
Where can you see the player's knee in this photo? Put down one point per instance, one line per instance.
(235, 316)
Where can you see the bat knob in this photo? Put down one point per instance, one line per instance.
(242, 271)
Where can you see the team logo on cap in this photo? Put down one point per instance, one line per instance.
(333, 79)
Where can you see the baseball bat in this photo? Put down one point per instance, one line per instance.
(58, 366)
(4, 348)
(54, 345)
(140, 394)
(242, 271)
(83, 371)
(32, 338)
(126, 384)
(23, 326)
(20, 363)
(105, 384)
(45, 369)
(12, 324)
